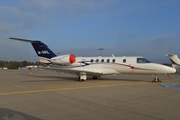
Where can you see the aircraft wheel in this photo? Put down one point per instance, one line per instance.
(81, 80)
(156, 80)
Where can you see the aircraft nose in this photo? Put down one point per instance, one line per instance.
(173, 70)
(170, 69)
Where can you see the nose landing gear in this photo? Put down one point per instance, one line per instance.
(156, 79)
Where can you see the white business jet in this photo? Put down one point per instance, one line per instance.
(96, 66)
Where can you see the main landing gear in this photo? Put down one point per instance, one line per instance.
(156, 79)
(82, 77)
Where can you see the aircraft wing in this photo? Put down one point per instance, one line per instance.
(86, 70)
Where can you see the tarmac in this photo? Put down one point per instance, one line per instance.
(48, 95)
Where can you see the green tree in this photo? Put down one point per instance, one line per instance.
(12, 65)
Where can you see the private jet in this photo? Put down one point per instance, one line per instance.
(96, 66)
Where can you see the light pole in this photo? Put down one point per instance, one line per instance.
(100, 50)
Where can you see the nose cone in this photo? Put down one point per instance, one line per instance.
(169, 69)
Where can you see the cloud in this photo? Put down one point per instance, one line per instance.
(31, 17)
(66, 5)
(38, 19)
(18, 23)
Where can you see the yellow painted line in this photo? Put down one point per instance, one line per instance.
(64, 89)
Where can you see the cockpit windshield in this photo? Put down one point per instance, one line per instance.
(142, 60)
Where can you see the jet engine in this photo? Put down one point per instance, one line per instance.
(64, 59)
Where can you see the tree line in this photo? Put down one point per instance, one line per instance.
(16, 64)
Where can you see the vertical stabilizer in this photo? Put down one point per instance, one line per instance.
(42, 50)
(174, 59)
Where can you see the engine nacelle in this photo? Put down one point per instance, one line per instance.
(64, 59)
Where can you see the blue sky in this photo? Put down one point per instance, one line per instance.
(148, 28)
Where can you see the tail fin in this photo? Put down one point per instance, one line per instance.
(174, 59)
(42, 50)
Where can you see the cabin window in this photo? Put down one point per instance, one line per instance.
(92, 60)
(113, 60)
(97, 60)
(108, 60)
(142, 60)
(124, 60)
(102, 60)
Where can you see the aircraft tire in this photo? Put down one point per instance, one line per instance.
(156, 80)
(81, 80)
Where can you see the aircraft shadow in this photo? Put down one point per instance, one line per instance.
(116, 79)
(52, 78)
(75, 78)
(7, 114)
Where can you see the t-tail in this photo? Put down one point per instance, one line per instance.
(175, 60)
(42, 50)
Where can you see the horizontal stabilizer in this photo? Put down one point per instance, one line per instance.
(25, 40)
